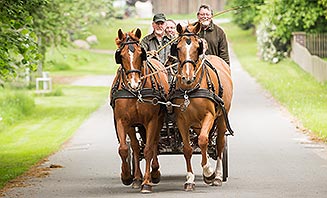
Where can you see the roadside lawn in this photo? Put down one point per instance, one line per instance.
(303, 96)
(53, 121)
(45, 122)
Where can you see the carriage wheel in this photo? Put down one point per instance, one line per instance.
(225, 161)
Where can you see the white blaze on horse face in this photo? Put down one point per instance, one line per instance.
(133, 83)
(188, 57)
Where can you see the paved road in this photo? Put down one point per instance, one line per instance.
(268, 157)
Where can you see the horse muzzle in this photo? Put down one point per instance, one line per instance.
(188, 79)
(188, 67)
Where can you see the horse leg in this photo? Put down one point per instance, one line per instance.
(189, 185)
(220, 149)
(155, 173)
(208, 171)
(137, 180)
(148, 154)
(123, 151)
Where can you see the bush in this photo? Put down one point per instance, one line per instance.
(14, 105)
(270, 48)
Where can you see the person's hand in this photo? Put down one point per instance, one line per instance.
(152, 53)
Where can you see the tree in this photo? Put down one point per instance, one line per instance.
(18, 47)
(28, 27)
(245, 16)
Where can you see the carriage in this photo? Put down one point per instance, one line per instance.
(186, 116)
(170, 143)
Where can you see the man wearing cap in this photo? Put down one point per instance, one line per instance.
(154, 41)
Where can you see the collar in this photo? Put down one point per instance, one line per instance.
(153, 36)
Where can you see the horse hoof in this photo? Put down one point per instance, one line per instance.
(210, 179)
(217, 182)
(189, 186)
(137, 183)
(146, 189)
(155, 178)
(127, 182)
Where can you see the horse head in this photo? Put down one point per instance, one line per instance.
(130, 55)
(188, 49)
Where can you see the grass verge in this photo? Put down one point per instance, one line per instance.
(303, 96)
(53, 120)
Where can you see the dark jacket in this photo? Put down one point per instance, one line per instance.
(150, 43)
(217, 41)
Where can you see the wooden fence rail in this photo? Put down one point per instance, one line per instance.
(317, 44)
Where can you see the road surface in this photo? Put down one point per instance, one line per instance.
(268, 156)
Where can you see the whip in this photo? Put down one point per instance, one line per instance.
(217, 14)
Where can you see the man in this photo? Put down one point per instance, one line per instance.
(213, 34)
(154, 41)
(171, 28)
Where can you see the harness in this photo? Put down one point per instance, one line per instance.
(198, 92)
(156, 91)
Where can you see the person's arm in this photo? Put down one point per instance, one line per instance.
(144, 44)
(223, 48)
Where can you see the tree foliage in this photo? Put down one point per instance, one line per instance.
(276, 21)
(245, 16)
(279, 18)
(28, 27)
(18, 41)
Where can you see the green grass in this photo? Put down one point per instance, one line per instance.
(53, 120)
(298, 91)
(106, 34)
(77, 62)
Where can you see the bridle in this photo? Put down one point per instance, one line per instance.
(130, 44)
(188, 41)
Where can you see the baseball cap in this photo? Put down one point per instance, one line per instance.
(159, 17)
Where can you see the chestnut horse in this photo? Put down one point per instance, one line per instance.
(204, 89)
(138, 82)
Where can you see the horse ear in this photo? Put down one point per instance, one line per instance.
(179, 28)
(120, 34)
(138, 33)
(197, 28)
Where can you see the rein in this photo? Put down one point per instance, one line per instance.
(158, 71)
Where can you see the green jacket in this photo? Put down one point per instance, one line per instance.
(150, 43)
(217, 41)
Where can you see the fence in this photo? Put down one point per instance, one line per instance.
(310, 63)
(185, 6)
(317, 44)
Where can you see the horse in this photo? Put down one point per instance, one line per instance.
(203, 87)
(138, 82)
